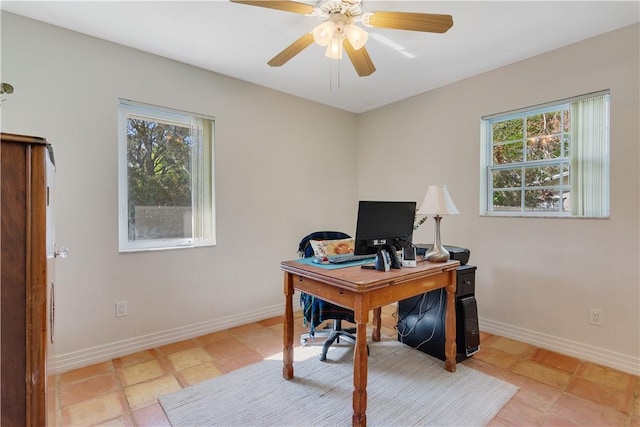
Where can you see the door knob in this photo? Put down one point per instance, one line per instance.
(63, 252)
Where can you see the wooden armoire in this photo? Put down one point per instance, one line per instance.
(26, 289)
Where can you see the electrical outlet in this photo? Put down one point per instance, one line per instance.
(595, 316)
(121, 308)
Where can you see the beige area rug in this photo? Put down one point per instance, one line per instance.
(405, 388)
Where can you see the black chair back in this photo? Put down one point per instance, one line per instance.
(305, 250)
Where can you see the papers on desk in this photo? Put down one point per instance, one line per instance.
(309, 261)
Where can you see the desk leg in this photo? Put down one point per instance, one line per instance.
(377, 323)
(450, 324)
(360, 366)
(287, 338)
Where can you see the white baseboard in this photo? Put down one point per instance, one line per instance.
(575, 349)
(78, 359)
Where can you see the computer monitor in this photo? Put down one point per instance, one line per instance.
(384, 223)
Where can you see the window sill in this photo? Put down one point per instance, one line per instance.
(166, 248)
(538, 216)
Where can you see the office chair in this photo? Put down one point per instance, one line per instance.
(317, 311)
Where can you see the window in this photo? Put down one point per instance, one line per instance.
(549, 160)
(165, 179)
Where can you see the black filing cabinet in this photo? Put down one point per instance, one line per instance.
(421, 319)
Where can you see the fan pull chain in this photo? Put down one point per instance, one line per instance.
(331, 74)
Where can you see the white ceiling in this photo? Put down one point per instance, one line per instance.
(237, 40)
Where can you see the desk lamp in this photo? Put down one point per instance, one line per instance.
(437, 202)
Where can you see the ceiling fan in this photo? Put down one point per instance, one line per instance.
(338, 30)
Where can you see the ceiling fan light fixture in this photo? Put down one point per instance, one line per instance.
(323, 33)
(338, 32)
(356, 36)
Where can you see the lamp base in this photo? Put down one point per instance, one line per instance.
(437, 253)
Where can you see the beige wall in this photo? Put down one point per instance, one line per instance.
(280, 174)
(537, 277)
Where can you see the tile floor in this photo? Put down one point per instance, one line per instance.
(555, 390)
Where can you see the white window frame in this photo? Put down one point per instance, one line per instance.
(203, 196)
(487, 168)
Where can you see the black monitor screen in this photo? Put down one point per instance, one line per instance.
(383, 223)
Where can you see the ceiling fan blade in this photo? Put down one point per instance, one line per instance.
(287, 6)
(360, 59)
(428, 22)
(292, 50)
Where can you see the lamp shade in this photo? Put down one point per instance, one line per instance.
(438, 202)
(334, 49)
(356, 36)
(323, 33)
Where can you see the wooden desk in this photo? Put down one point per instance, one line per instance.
(364, 290)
